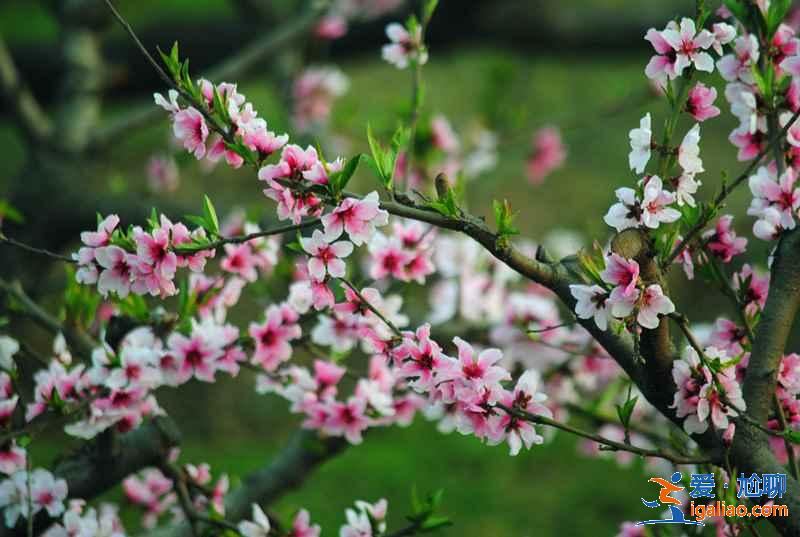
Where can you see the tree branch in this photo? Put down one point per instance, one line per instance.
(236, 65)
(97, 467)
(728, 188)
(81, 343)
(774, 327)
(304, 452)
(31, 117)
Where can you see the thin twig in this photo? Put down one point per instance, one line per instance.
(612, 444)
(239, 239)
(201, 107)
(78, 340)
(41, 251)
(727, 189)
(195, 518)
(372, 308)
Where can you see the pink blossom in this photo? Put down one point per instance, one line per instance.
(12, 459)
(301, 527)
(239, 260)
(728, 336)
(170, 105)
(443, 136)
(358, 218)
(653, 303)
(698, 398)
(325, 257)
(421, 359)
(348, 419)
(162, 174)
(387, 258)
(738, 66)
(651, 211)
(154, 249)
(591, 303)
(404, 48)
(723, 34)
(524, 398)
(700, 103)
(784, 45)
(769, 226)
(314, 92)
(116, 270)
(548, 154)
(477, 371)
(663, 64)
(723, 241)
(190, 127)
(622, 272)
(629, 529)
(689, 45)
(259, 527)
(194, 356)
(219, 150)
(753, 287)
(750, 144)
(641, 142)
(331, 27)
(789, 373)
(47, 493)
(294, 161)
(272, 337)
(781, 195)
(257, 138)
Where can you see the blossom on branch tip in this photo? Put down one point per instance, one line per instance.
(404, 47)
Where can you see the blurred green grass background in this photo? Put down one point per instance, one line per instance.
(596, 99)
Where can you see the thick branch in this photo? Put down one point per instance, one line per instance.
(31, 118)
(774, 327)
(304, 452)
(76, 339)
(99, 466)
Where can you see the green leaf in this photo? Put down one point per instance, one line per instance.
(171, 61)
(792, 436)
(9, 212)
(435, 498)
(625, 410)
(416, 505)
(738, 8)
(221, 107)
(504, 219)
(428, 10)
(153, 220)
(199, 221)
(210, 215)
(382, 159)
(777, 12)
(339, 180)
(173, 53)
(446, 205)
(434, 523)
